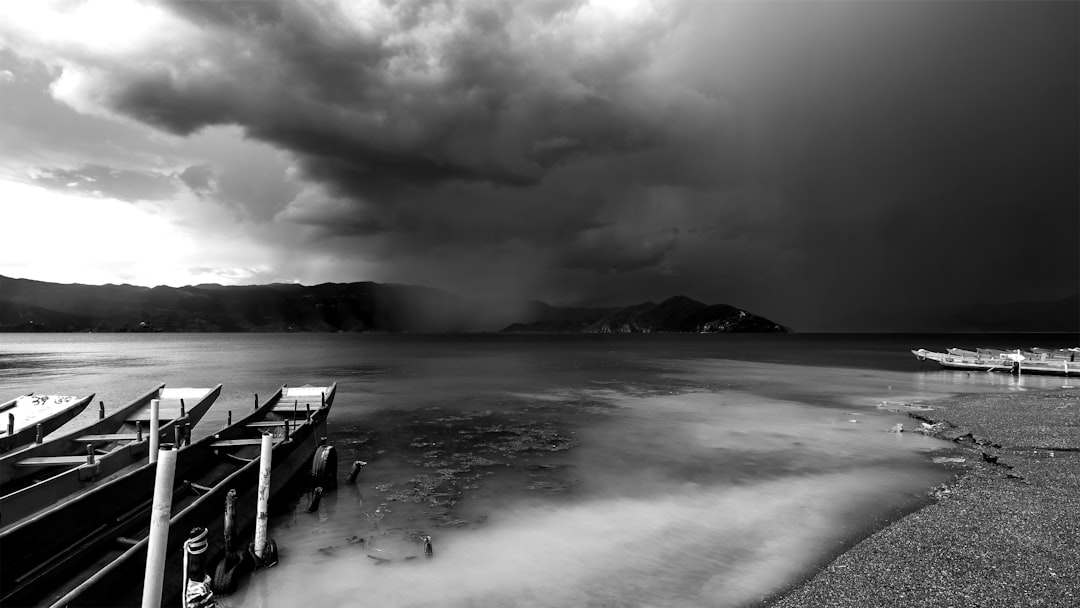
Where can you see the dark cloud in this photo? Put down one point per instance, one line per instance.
(833, 165)
(199, 178)
(104, 181)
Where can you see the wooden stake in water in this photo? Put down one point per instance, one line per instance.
(262, 516)
(155, 433)
(101, 410)
(159, 527)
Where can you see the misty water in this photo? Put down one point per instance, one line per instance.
(560, 470)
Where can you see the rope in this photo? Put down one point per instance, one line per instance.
(196, 594)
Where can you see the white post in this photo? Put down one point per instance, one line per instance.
(262, 518)
(159, 527)
(155, 405)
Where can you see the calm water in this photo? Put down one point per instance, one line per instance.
(560, 471)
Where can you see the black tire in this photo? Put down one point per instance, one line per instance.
(225, 578)
(324, 467)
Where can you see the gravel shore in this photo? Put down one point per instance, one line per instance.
(1006, 533)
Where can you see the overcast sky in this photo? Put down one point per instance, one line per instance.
(830, 165)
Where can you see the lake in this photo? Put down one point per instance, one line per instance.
(577, 470)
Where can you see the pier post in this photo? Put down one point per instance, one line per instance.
(316, 497)
(256, 402)
(178, 435)
(183, 410)
(159, 527)
(89, 453)
(101, 410)
(286, 421)
(355, 472)
(138, 430)
(10, 424)
(230, 523)
(229, 420)
(155, 433)
(41, 433)
(262, 516)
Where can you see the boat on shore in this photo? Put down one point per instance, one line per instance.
(91, 551)
(29, 418)
(43, 474)
(1060, 362)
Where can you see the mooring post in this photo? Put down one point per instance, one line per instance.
(138, 431)
(308, 407)
(101, 410)
(322, 400)
(316, 497)
(256, 402)
(196, 589)
(262, 517)
(159, 527)
(40, 434)
(155, 433)
(295, 403)
(286, 429)
(230, 523)
(187, 433)
(89, 453)
(355, 472)
(229, 421)
(10, 424)
(178, 435)
(183, 410)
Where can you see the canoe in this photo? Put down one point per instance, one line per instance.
(94, 550)
(990, 360)
(43, 474)
(26, 416)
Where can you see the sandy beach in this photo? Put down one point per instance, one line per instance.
(1005, 533)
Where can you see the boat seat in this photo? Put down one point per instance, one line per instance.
(111, 437)
(228, 443)
(49, 461)
(300, 409)
(266, 424)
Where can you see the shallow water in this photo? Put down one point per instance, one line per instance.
(558, 471)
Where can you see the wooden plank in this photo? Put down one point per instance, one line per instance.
(110, 437)
(48, 461)
(267, 424)
(281, 409)
(228, 443)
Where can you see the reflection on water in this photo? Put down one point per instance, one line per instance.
(567, 471)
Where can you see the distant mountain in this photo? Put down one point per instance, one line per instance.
(677, 314)
(27, 305)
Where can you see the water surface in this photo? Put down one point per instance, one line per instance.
(560, 470)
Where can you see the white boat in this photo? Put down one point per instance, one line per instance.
(29, 418)
(1040, 361)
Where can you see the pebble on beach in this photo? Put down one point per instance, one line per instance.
(1005, 534)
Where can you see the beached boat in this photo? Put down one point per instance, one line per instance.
(994, 360)
(40, 475)
(91, 551)
(29, 418)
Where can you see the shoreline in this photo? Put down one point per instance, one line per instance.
(1003, 532)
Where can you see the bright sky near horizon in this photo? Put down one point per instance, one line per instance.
(831, 165)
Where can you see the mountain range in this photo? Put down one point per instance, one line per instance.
(28, 305)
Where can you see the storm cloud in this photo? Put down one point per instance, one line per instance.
(832, 165)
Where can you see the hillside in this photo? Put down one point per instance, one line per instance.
(28, 305)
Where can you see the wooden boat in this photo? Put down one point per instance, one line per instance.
(990, 360)
(91, 551)
(44, 474)
(31, 417)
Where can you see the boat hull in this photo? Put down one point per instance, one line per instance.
(61, 482)
(26, 425)
(69, 555)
